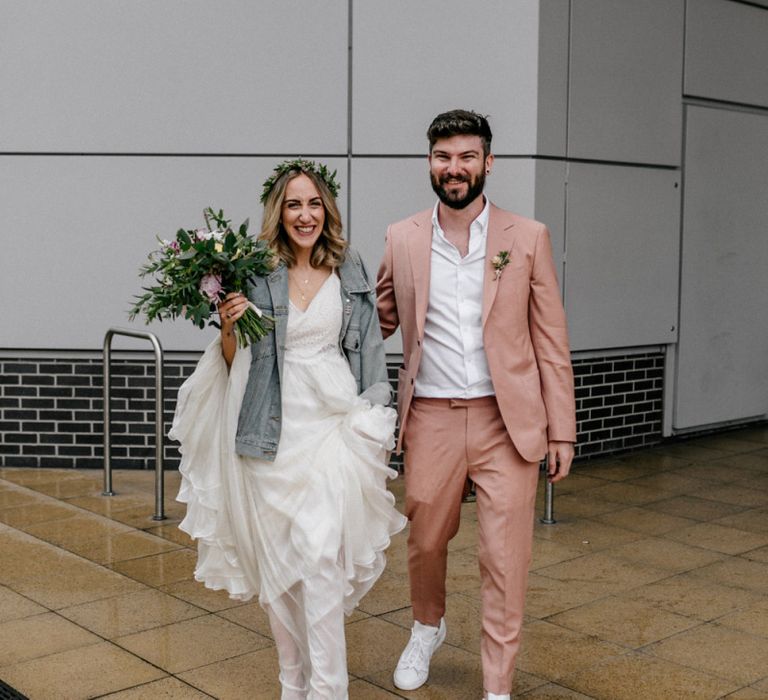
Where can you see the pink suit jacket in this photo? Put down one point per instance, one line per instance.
(524, 328)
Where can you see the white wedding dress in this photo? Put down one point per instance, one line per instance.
(307, 532)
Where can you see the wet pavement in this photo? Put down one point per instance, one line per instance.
(652, 584)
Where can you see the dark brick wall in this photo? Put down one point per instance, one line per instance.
(51, 409)
(51, 412)
(618, 402)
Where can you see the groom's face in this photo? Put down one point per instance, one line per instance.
(457, 169)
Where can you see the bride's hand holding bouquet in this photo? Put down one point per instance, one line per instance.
(231, 310)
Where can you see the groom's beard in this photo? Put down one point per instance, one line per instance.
(453, 199)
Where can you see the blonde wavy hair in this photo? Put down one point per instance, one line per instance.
(330, 248)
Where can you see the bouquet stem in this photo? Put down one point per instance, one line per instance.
(251, 327)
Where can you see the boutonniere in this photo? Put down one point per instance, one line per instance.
(499, 262)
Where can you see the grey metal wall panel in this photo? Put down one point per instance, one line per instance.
(625, 78)
(384, 190)
(621, 274)
(412, 60)
(178, 76)
(554, 27)
(550, 206)
(84, 225)
(726, 51)
(722, 370)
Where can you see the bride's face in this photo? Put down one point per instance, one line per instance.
(302, 214)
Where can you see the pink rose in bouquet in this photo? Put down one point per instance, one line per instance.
(210, 285)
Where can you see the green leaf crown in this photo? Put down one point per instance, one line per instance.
(304, 166)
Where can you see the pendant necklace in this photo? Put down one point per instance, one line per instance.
(302, 290)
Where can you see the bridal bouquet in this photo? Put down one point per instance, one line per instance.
(195, 271)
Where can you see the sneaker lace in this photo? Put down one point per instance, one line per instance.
(416, 656)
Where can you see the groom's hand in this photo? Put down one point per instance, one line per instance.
(559, 458)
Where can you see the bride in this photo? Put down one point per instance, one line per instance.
(285, 444)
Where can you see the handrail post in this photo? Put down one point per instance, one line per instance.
(549, 504)
(159, 433)
(107, 415)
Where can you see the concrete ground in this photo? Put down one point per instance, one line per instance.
(653, 584)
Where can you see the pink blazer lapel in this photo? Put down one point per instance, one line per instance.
(500, 237)
(419, 253)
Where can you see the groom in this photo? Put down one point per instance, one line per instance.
(485, 390)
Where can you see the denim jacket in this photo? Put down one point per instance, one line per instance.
(258, 429)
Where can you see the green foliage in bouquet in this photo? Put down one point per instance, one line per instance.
(196, 270)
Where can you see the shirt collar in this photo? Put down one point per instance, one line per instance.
(479, 225)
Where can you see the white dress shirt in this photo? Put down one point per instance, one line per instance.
(453, 363)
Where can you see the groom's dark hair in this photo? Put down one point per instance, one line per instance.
(460, 122)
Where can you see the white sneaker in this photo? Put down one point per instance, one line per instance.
(413, 668)
(494, 696)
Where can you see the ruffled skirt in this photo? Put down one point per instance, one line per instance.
(320, 510)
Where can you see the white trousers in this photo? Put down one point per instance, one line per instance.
(308, 626)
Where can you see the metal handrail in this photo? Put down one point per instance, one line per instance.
(159, 485)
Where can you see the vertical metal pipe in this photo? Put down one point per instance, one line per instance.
(107, 417)
(549, 504)
(159, 432)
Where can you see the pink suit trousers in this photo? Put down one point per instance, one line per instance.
(448, 440)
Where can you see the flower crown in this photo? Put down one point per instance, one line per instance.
(328, 177)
